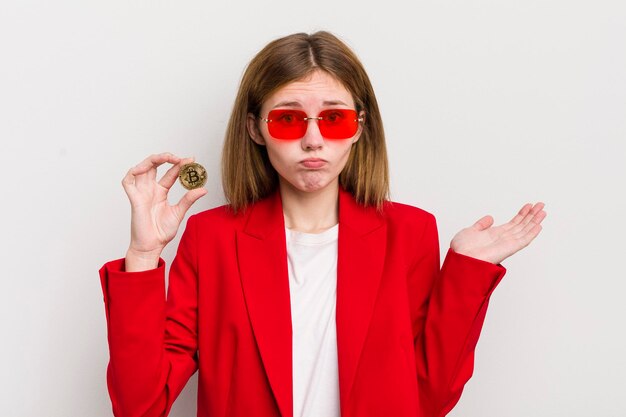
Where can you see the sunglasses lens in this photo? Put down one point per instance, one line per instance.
(287, 124)
(291, 124)
(338, 123)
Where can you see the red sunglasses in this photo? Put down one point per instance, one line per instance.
(292, 124)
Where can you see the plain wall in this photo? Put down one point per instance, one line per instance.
(487, 105)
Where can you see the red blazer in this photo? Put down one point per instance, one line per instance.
(406, 330)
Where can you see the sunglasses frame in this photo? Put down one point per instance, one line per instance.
(307, 118)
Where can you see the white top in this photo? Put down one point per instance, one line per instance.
(312, 264)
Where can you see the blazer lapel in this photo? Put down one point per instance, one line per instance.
(262, 255)
(361, 257)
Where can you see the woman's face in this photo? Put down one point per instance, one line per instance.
(312, 162)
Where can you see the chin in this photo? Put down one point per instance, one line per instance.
(311, 183)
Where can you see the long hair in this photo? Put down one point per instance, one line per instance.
(247, 174)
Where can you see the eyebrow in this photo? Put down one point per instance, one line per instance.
(297, 104)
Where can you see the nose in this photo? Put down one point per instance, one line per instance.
(312, 138)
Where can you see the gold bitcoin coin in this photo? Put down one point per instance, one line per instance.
(192, 175)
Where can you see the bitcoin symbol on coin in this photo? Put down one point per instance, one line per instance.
(192, 175)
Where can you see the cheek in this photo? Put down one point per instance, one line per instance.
(343, 152)
(280, 153)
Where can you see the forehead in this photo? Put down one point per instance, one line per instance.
(318, 89)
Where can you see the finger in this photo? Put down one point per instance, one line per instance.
(170, 176)
(537, 207)
(530, 228)
(537, 219)
(483, 223)
(535, 215)
(128, 181)
(145, 172)
(539, 216)
(519, 216)
(525, 238)
(532, 213)
(188, 199)
(153, 161)
(524, 216)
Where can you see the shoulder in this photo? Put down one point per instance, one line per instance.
(409, 223)
(398, 217)
(216, 218)
(413, 230)
(400, 213)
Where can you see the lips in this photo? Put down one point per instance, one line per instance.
(313, 162)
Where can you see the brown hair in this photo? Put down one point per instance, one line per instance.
(247, 174)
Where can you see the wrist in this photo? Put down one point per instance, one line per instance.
(136, 261)
(480, 255)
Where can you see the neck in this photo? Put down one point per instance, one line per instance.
(310, 212)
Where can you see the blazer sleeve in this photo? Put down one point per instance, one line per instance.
(448, 310)
(152, 341)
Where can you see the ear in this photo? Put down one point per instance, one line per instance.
(361, 123)
(253, 130)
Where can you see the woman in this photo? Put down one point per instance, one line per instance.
(309, 294)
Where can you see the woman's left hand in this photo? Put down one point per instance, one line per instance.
(495, 244)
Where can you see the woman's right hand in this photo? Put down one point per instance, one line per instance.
(154, 222)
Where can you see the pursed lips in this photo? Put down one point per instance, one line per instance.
(313, 162)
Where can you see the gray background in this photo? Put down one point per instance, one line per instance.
(487, 105)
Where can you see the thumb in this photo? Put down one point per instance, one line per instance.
(189, 198)
(484, 223)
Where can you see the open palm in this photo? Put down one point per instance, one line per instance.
(494, 244)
